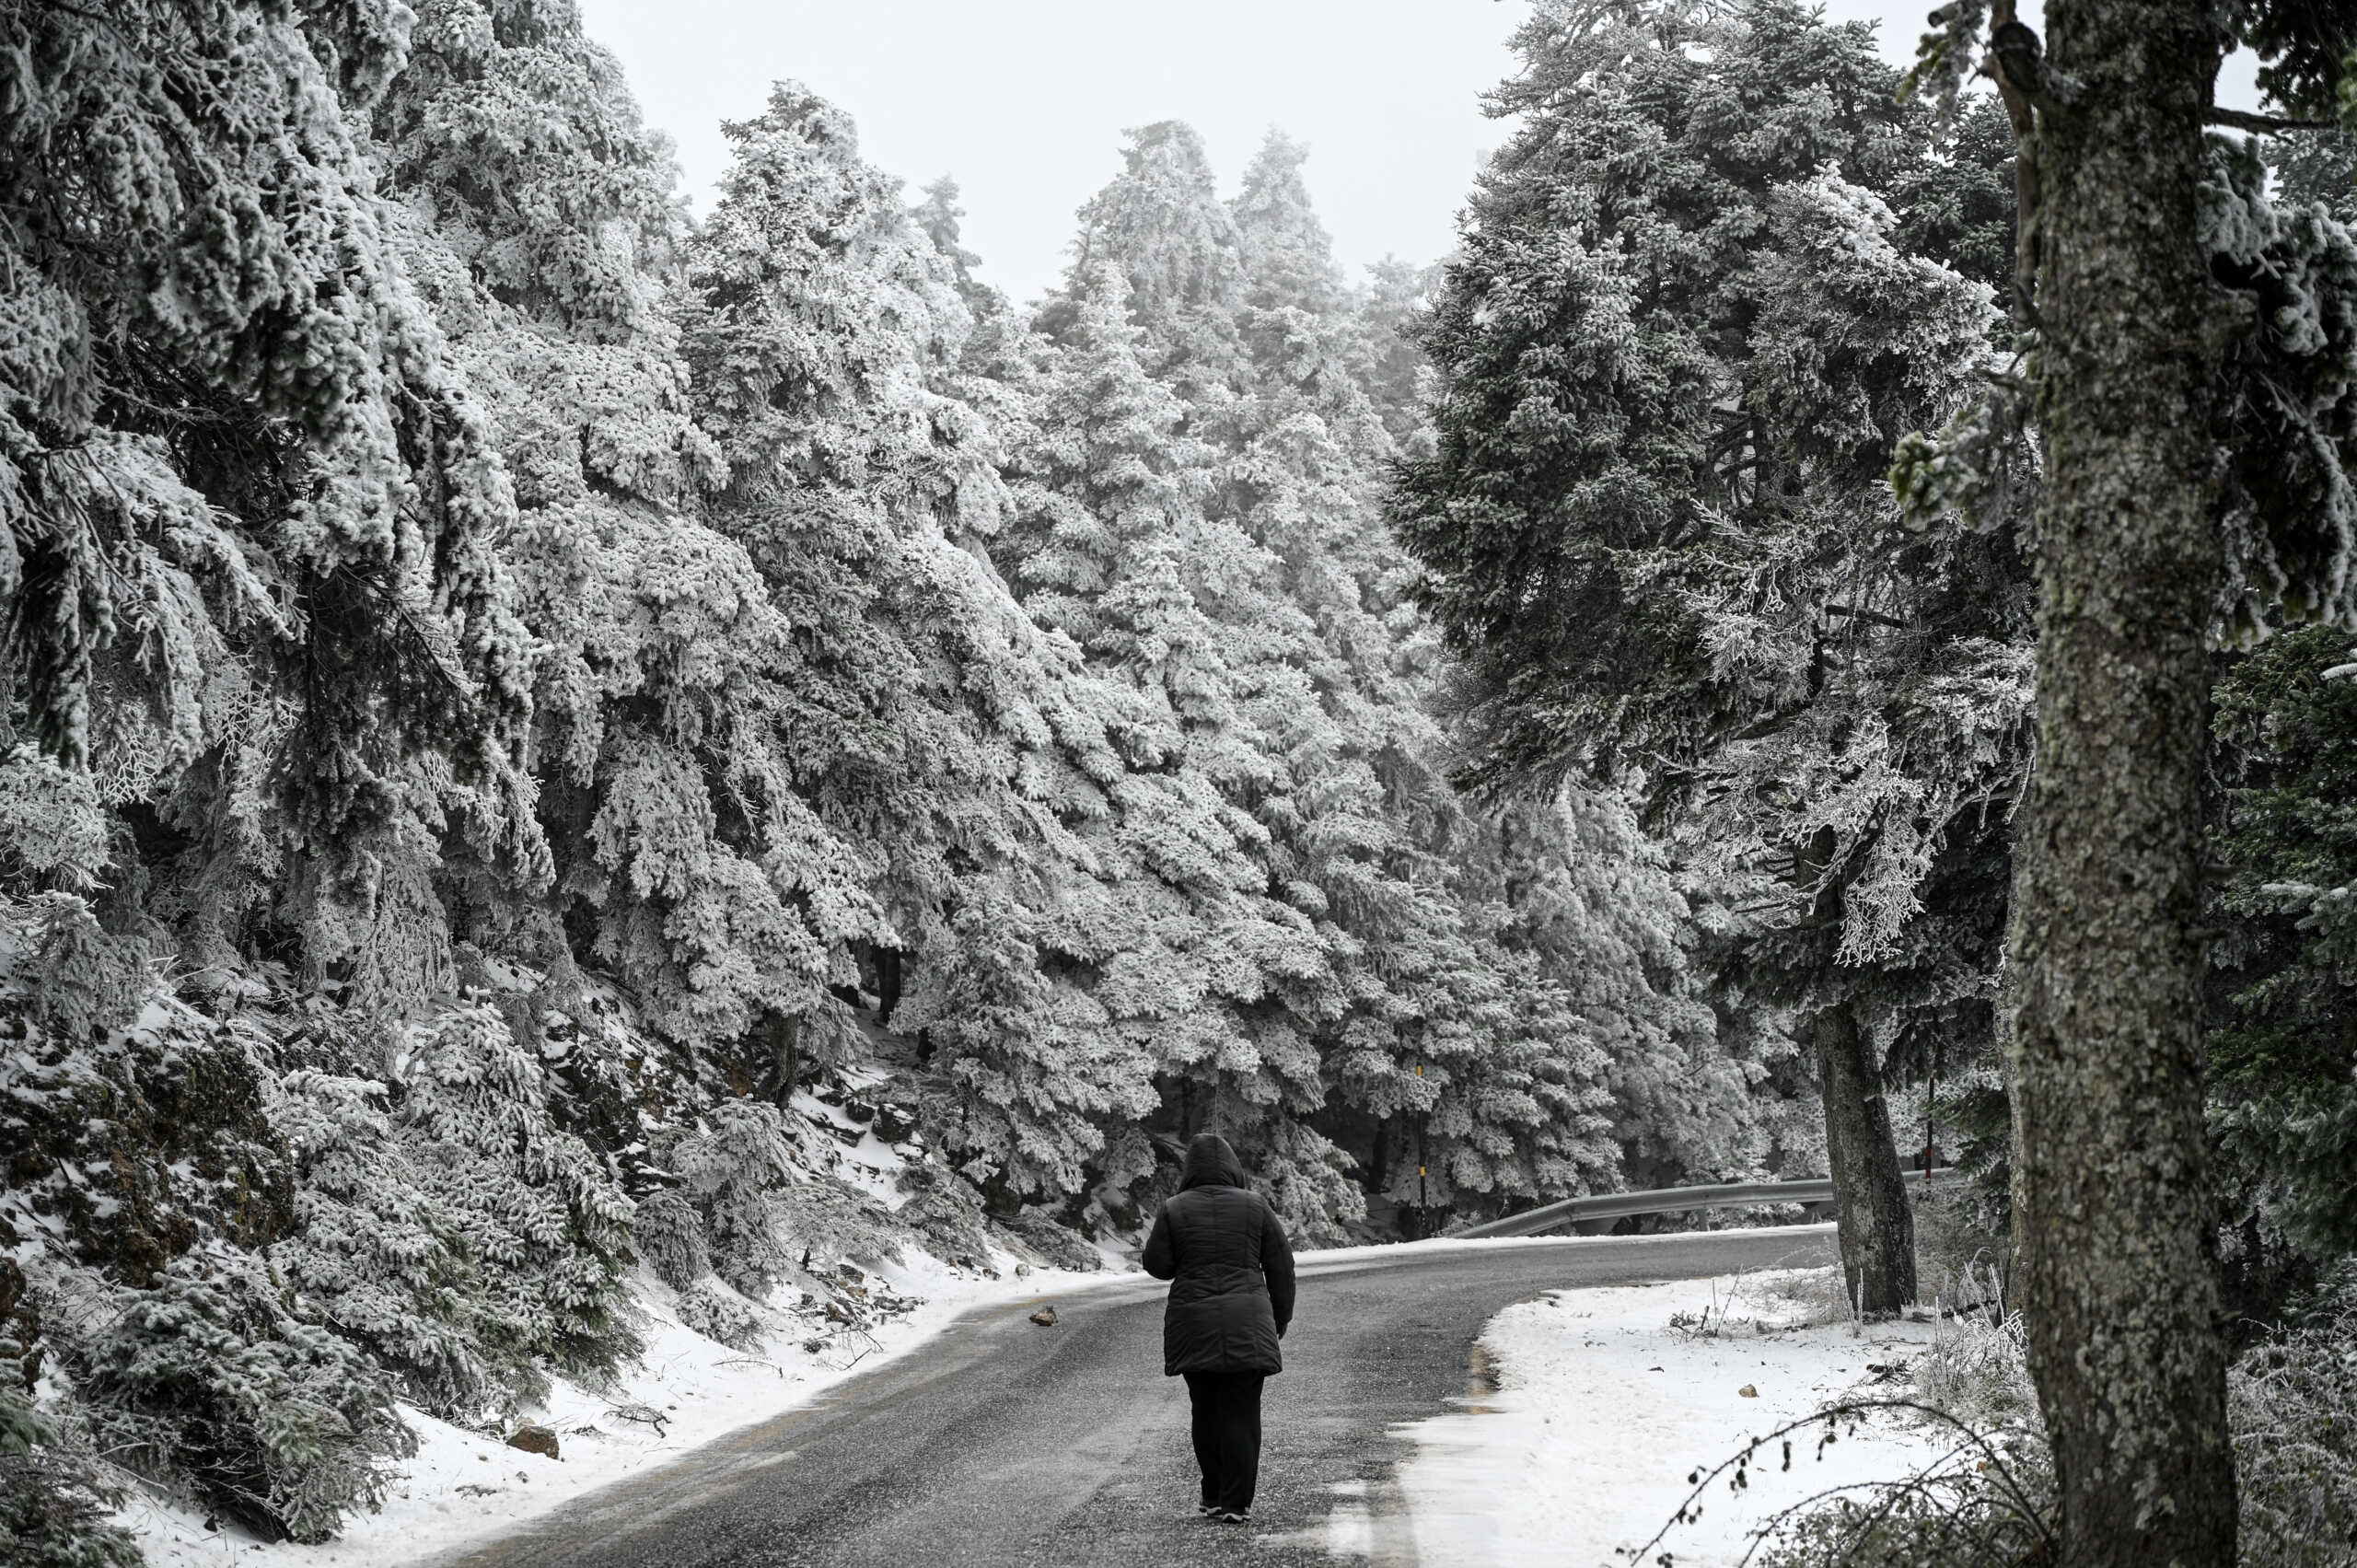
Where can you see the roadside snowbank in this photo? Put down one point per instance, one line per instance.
(464, 1486)
(1606, 1399)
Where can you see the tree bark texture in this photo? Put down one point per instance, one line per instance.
(2118, 1276)
(1875, 1226)
(785, 1055)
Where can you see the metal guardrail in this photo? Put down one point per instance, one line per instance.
(1671, 1200)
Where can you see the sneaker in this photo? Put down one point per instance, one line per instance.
(1207, 1509)
(1231, 1516)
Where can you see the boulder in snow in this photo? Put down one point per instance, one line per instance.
(533, 1438)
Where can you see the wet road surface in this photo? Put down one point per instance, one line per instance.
(1000, 1443)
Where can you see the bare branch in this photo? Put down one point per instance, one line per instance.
(1875, 616)
(2266, 124)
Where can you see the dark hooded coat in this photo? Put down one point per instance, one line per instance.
(1220, 1245)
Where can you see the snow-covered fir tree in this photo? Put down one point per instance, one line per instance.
(1657, 522)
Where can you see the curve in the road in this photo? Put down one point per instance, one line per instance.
(1002, 1444)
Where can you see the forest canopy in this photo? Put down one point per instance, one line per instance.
(519, 702)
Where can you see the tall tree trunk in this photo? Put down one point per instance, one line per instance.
(2114, 1229)
(785, 1055)
(888, 982)
(1870, 1212)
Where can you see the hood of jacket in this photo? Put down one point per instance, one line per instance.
(1211, 1163)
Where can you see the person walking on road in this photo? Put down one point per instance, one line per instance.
(1220, 1245)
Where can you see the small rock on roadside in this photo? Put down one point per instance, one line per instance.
(533, 1438)
(1045, 1317)
(1748, 1392)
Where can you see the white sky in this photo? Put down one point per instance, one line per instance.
(1024, 101)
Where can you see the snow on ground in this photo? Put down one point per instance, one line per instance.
(463, 1485)
(1606, 1399)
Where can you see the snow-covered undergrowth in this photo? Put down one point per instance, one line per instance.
(2291, 1401)
(280, 1264)
(1607, 1400)
(687, 1389)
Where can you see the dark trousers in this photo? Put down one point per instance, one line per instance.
(1227, 1434)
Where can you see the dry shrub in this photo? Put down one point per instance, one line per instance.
(1976, 1369)
(1821, 1296)
(1985, 1503)
(2292, 1408)
(1959, 1260)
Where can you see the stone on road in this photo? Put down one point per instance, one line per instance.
(997, 1444)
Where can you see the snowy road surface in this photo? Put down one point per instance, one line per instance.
(1003, 1443)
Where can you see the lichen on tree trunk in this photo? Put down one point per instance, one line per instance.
(2113, 1229)
(1876, 1228)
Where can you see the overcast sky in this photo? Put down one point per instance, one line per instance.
(1024, 101)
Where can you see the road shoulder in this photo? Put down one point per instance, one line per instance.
(1606, 1399)
(465, 1488)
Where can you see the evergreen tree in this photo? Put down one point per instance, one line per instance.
(1657, 521)
(1162, 226)
(250, 508)
(1113, 548)
(2280, 1065)
(927, 722)
(543, 219)
(1453, 1081)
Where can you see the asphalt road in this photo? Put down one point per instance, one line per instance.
(1000, 1442)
